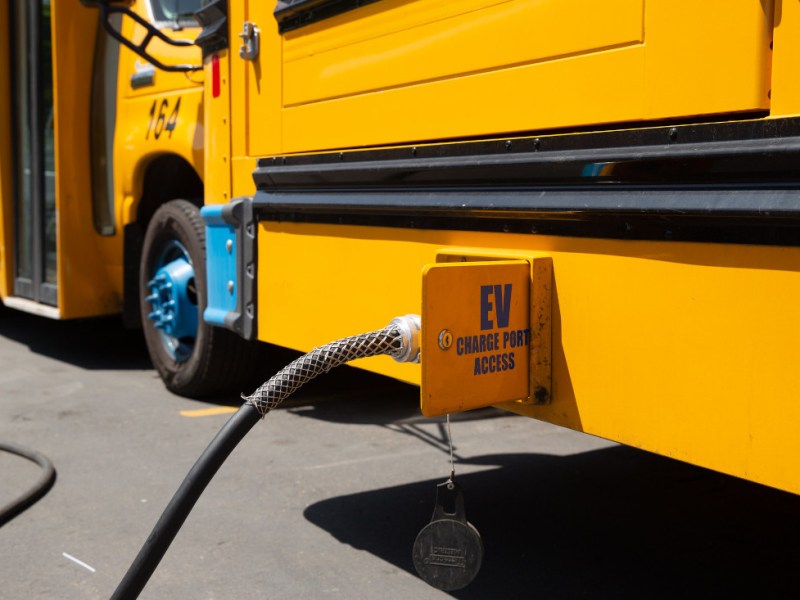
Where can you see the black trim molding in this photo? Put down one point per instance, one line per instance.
(758, 152)
(659, 215)
(731, 182)
(293, 14)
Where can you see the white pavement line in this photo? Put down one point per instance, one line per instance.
(79, 562)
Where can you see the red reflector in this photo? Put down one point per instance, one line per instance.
(215, 76)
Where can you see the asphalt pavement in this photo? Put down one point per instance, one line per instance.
(325, 497)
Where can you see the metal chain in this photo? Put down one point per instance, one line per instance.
(450, 443)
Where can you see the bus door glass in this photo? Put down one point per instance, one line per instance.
(34, 151)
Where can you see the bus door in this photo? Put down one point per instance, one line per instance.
(63, 248)
(33, 146)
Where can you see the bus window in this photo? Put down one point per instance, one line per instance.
(174, 13)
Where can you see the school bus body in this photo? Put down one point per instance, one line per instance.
(89, 94)
(645, 148)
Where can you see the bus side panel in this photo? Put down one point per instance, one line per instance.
(396, 72)
(684, 349)
(6, 160)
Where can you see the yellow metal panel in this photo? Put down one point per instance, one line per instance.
(541, 95)
(243, 184)
(217, 133)
(707, 57)
(541, 312)
(688, 350)
(257, 84)
(430, 41)
(476, 334)
(786, 58)
(84, 288)
(6, 163)
(398, 71)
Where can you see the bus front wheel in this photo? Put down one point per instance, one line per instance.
(193, 358)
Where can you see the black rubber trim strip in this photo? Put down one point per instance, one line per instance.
(718, 163)
(540, 203)
(750, 216)
(613, 136)
(293, 14)
(734, 182)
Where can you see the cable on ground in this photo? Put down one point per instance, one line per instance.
(46, 480)
(400, 339)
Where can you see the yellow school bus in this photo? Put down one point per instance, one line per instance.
(593, 206)
(634, 161)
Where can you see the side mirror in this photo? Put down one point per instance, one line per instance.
(112, 7)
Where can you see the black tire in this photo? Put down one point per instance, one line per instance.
(218, 361)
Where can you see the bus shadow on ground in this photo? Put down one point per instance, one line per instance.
(387, 404)
(610, 523)
(94, 344)
(357, 397)
(105, 344)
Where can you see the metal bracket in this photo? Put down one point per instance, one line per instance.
(250, 38)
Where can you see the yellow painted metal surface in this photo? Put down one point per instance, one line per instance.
(257, 85)
(785, 91)
(139, 139)
(707, 57)
(413, 43)
(476, 335)
(540, 312)
(397, 71)
(217, 133)
(6, 163)
(84, 285)
(689, 350)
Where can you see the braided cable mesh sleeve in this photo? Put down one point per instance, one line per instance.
(296, 374)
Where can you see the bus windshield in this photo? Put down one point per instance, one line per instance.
(173, 12)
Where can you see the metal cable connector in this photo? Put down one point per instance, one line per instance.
(410, 327)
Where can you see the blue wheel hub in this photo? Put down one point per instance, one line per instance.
(173, 301)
